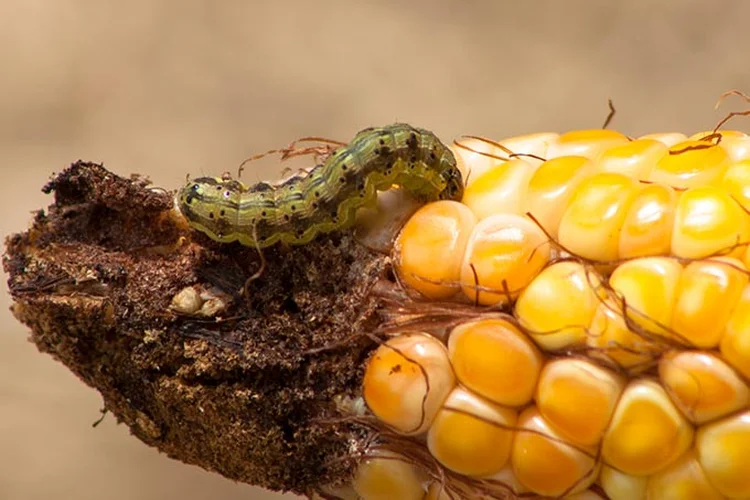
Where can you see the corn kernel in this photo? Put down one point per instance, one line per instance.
(578, 398)
(620, 486)
(708, 292)
(496, 360)
(708, 221)
(499, 190)
(431, 247)
(724, 453)
(406, 381)
(551, 187)
(386, 476)
(554, 323)
(531, 144)
(684, 167)
(633, 159)
(591, 224)
(737, 147)
(474, 441)
(506, 252)
(647, 228)
(736, 182)
(669, 139)
(588, 143)
(545, 464)
(683, 480)
(735, 343)
(473, 164)
(647, 432)
(702, 386)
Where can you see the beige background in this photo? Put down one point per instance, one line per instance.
(167, 88)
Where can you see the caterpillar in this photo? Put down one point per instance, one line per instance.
(327, 198)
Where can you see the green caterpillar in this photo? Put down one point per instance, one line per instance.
(328, 197)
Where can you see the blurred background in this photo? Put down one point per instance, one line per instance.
(167, 88)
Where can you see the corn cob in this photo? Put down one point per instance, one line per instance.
(608, 351)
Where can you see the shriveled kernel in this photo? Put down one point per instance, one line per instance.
(735, 343)
(682, 480)
(667, 138)
(647, 432)
(578, 398)
(709, 221)
(702, 385)
(591, 224)
(496, 360)
(554, 323)
(736, 182)
(647, 228)
(620, 486)
(505, 252)
(187, 301)
(499, 189)
(634, 159)
(708, 293)
(545, 463)
(724, 453)
(406, 381)
(470, 435)
(551, 188)
(386, 476)
(588, 143)
(691, 164)
(431, 246)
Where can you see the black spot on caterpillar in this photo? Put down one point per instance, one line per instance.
(328, 197)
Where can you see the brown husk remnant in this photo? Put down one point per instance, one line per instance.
(94, 277)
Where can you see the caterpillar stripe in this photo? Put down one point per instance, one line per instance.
(328, 197)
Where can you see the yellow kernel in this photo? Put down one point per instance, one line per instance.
(633, 159)
(386, 476)
(708, 293)
(737, 147)
(531, 144)
(496, 360)
(724, 453)
(544, 463)
(735, 343)
(683, 480)
(551, 188)
(669, 139)
(702, 385)
(647, 432)
(620, 486)
(578, 398)
(708, 221)
(588, 143)
(736, 182)
(470, 435)
(725, 134)
(499, 190)
(406, 381)
(591, 224)
(553, 323)
(684, 167)
(431, 247)
(647, 229)
(473, 164)
(505, 252)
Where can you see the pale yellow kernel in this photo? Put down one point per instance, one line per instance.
(531, 145)
(669, 139)
(647, 432)
(707, 295)
(588, 143)
(558, 324)
(634, 159)
(386, 476)
(504, 253)
(551, 188)
(578, 398)
(496, 360)
(649, 286)
(470, 435)
(590, 226)
(690, 164)
(508, 480)
(735, 343)
(702, 385)
(683, 480)
(406, 381)
(724, 453)
(545, 464)
(725, 134)
(737, 147)
(709, 221)
(499, 190)
(620, 486)
(736, 182)
(477, 157)
(647, 229)
(431, 246)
